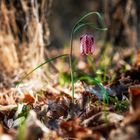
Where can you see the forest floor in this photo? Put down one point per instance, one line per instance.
(105, 106)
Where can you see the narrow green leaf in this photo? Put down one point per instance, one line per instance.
(88, 24)
(87, 15)
(78, 27)
(93, 26)
(47, 61)
(88, 77)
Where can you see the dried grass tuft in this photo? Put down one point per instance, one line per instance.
(23, 34)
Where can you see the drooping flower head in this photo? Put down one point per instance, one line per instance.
(87, 44)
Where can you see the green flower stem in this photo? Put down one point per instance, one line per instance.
(70, 59)
(71, 67)
(77, 26)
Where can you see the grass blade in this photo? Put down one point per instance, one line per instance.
(86, 16)
(103, 90)
(47, 61)
(88, 24)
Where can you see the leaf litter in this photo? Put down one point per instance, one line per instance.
(49, 113)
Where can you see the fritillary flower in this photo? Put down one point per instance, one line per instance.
(87, 44)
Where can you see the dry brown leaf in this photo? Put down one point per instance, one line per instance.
(137, 63)
(9, 96)
(73, 129)
(7, 107)
(28, 98)
(134, 97)
(135, 90)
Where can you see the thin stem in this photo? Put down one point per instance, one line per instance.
(71, 67)
(70, 59)
(80, 24)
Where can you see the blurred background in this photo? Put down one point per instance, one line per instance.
(120, 17)
(33, 30)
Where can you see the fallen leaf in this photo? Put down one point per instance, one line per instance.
(134, 97)
(28, 98)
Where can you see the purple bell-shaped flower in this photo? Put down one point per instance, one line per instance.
(87, 44)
